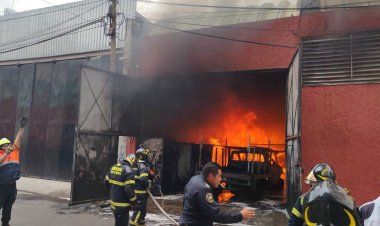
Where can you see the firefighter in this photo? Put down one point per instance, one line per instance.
(199, 207)
(142, 174)
(326, 203)
(120, 182)
(370, 213)
(9, 172)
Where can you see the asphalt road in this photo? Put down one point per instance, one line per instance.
(37, 210)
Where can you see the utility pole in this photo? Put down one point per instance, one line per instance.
(113, 36)
(127, 46)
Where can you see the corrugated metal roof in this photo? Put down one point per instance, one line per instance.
(31, 28)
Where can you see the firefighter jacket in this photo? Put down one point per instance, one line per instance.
(199, 207)
(296, 218)
(370, 212)
(325, 204)
(10, 168)
(120, 181)
(142, 177)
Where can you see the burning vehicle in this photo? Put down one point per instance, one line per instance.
(246, 168)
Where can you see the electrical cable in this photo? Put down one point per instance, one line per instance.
(44, 13)
(213, 36)
(300, 16)
(50, 38)
(63, 9)
(242, 13)
(257, 8)
(119, 25)
(222, 26)
(237, 27)
(34, 35)
(12, 45)
(226, 38)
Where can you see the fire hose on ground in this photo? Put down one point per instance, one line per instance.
(160, 208)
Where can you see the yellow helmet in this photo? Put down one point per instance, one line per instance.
(131, 158)
(4, 141)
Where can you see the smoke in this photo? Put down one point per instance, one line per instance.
(192, 108)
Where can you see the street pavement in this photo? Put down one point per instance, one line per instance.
(46, 203)
(32, 209)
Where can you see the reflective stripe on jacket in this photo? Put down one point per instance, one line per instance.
(120, 179)
(142, 177)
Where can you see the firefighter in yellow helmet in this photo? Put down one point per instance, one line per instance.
(326, 203)
(9, 172)
(120, 182)
(142, 184)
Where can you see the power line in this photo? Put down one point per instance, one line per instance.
(26, 44)
(44, 13)
(45, 34)
(221, 26)
(226, 38)
(244, 13)
(38, 34)
(258, 8)
(53, 37)
(63, 9)
(239, 27)
(21, 43)
(300, 16)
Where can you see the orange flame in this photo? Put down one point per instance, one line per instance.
(225, 196)
(240, 128)
(238, 123)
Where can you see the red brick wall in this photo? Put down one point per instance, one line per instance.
(341, 126)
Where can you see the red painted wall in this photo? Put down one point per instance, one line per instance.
(341, 126)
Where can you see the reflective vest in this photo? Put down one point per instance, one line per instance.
(10, 168)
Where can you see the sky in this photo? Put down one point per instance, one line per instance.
(24, 5)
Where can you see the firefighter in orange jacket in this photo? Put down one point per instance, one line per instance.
(9, 172)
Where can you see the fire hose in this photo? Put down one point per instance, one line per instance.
(160, 208)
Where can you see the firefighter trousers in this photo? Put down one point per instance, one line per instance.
(121, 215)
(8, 193)
(139, 213)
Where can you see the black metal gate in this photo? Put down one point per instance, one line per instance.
(48, 94)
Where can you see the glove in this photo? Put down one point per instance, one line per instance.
(9, 149)
(23, 121)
